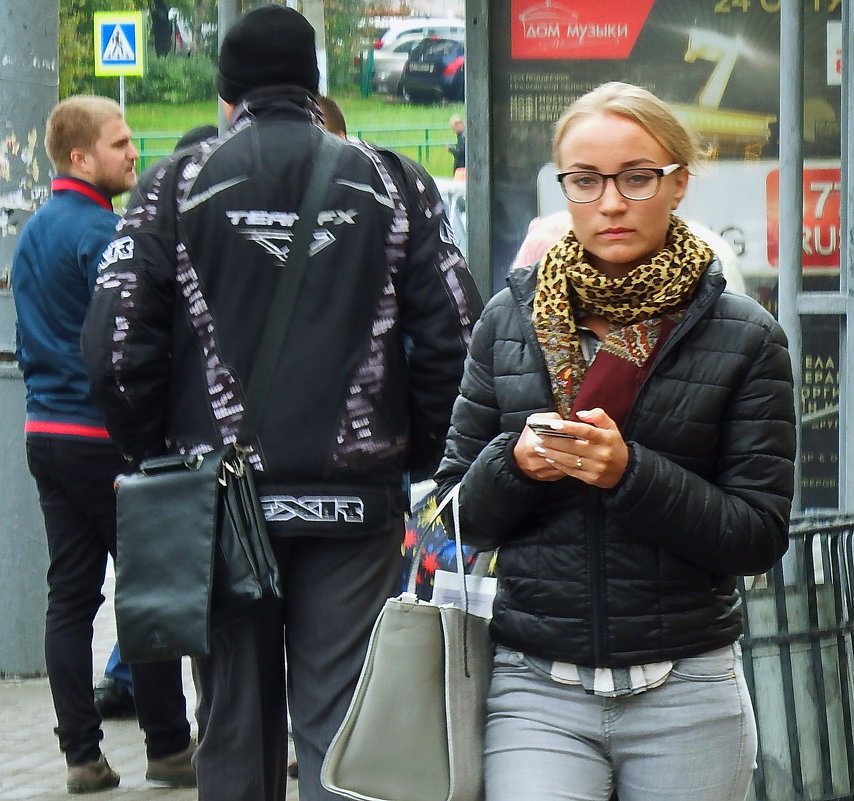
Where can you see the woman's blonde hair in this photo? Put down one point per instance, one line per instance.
(76, 122)
(634, 103)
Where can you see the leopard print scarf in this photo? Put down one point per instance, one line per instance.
(633, 304)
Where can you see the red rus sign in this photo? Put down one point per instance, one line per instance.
(821, 217)
(575, 29)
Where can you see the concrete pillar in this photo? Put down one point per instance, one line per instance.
(28, 90)
(313, 11)
(226, 17)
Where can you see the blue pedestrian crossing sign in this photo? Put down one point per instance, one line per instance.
(119, 43)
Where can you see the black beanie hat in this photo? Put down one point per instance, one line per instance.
(269, 46)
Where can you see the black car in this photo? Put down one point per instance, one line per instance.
(435, 70)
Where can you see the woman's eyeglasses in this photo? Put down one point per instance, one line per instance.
(636, 183)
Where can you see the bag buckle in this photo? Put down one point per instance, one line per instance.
(166, 464)
(235, 465)
(236, 468)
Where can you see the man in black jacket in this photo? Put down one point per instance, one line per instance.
(458, 151)
(359, 402)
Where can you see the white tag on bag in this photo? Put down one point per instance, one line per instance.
(481, 592)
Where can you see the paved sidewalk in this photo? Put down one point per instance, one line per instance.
(31, 766)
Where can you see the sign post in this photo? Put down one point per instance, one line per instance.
(119, 46)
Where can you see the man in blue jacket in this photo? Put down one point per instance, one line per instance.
(69, 451)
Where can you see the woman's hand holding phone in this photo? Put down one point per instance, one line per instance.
(544, 429)
(590, 449)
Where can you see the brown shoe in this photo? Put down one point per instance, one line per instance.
(175, 770)
(91, 777)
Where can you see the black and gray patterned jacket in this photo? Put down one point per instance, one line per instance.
(363, 390)
(643, 572)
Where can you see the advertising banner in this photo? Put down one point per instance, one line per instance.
(580, 30)
(715, 61)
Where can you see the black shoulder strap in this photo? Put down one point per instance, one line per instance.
(288, 285)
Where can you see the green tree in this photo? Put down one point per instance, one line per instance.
(202, 15)
(76, 37)
(341, 20)
(194, 13)
(160, 26)
(77, 45)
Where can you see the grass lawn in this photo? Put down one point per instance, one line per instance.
(376, 119)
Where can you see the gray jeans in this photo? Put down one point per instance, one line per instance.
(691, 739)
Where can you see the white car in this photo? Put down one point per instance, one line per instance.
(394, 38)
(388, 64)
(398, 27)
(453, 192)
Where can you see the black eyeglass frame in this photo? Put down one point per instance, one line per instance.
(660, 173)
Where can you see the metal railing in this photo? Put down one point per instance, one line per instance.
(407, 138)
(798, 649)
(413, 141)
(154, 146)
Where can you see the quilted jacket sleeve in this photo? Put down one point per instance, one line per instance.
(495, 495)
(734, 522)
(126, 338)
(439, 305)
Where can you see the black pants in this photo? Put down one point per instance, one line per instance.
(334, 590)
(75, 485)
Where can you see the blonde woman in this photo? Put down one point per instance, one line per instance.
(663, 469)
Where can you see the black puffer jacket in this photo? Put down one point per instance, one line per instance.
(645, 571)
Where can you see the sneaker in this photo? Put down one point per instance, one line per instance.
(175, 770)
(90, 777)
(113, 700)
(293, 770)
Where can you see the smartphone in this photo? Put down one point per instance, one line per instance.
(545, 430)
